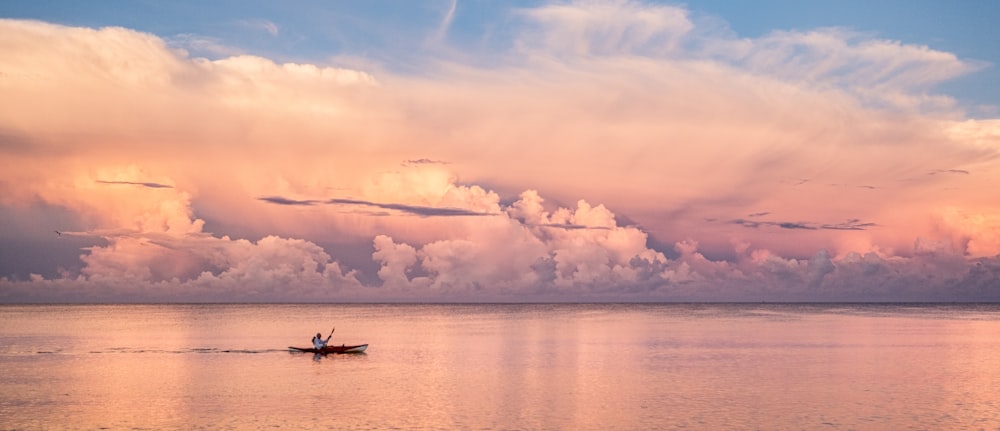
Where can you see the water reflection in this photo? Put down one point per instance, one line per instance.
(619, 366)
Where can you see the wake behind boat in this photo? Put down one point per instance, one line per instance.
(360, 348)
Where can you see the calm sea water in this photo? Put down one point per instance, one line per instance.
(561, 367)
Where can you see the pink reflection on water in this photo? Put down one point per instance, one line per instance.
(501, 367)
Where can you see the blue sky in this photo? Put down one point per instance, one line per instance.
(400, 35)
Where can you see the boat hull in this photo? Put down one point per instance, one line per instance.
(359, 348)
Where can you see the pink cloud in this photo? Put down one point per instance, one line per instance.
(656, 130)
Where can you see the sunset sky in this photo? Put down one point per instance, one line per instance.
(499, 151)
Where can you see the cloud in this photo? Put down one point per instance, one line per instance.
(194, 269)
(852, 224)
(605, 28)
(783, 225)
(285, 201)
(262, 24)
(134, 183)
(424, 161)
(949, 171)
(635, 121)
(442, 30)
(842, 55)
(411, 209)
(203, 45)
(417, 210)
(569, 226)
(512, 256)
(505, 256)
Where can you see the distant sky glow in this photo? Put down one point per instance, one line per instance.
(499, 151)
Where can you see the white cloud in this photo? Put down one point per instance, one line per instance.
(605, 28)
(878, 71)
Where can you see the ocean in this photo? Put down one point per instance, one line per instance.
(502, 367)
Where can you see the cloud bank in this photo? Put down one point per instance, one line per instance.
(677, 160)
(516, 255)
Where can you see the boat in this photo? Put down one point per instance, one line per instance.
(343, 348)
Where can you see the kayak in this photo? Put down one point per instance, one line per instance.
(343, 348)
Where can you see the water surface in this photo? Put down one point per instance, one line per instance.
(604, 366)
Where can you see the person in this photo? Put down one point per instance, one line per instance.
(318, 341)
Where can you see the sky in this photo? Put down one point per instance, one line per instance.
(470, 151)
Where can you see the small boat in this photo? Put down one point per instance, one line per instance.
(343, 348)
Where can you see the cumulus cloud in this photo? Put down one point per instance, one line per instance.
(513, 256)
(197, 268)
(634, 121)
(504, 257)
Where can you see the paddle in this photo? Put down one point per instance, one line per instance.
(331, 333)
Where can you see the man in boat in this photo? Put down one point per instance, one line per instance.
(319, 343)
